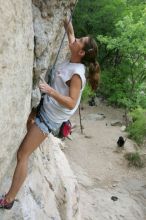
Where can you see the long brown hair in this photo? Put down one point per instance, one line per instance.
(89, 59)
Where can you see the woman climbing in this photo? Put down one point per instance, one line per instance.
(60, 102)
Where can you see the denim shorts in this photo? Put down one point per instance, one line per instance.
(46, 125)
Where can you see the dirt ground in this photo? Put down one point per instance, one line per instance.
(109, 188)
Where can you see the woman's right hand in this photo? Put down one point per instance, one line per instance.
(66, 22)
(45, 88)
(69, 30)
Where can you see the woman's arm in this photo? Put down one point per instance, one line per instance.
(67, 101)
(69, 30)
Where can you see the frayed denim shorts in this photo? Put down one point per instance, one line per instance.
(46, 125)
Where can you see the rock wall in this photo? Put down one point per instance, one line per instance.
(30, 35)
(50, 191)
(16, 65)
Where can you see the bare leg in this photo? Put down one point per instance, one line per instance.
(31, 119)
(32, 140)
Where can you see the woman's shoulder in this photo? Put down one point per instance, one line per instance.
(79, 68)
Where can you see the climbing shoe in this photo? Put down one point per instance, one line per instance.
(4, 204)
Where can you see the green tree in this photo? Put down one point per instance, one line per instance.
(126, 72)
(120, 27)
(97, 16)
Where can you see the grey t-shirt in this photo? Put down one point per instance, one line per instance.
(63, 73)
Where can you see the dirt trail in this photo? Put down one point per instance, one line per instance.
(102, 171)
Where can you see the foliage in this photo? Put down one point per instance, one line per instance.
(119, 29)
(135, 159)
(128, 63)
(87, 93)
(112, 81)
(120, 26)
(137, 129)
(98, 16)
(141, 96)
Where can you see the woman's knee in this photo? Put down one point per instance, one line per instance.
(21, 155)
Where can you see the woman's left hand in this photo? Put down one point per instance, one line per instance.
(45, 88)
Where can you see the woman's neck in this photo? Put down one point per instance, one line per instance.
(75, 59)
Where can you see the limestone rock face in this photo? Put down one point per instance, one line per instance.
(16, 64)
(50, 190)
(30, 35)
